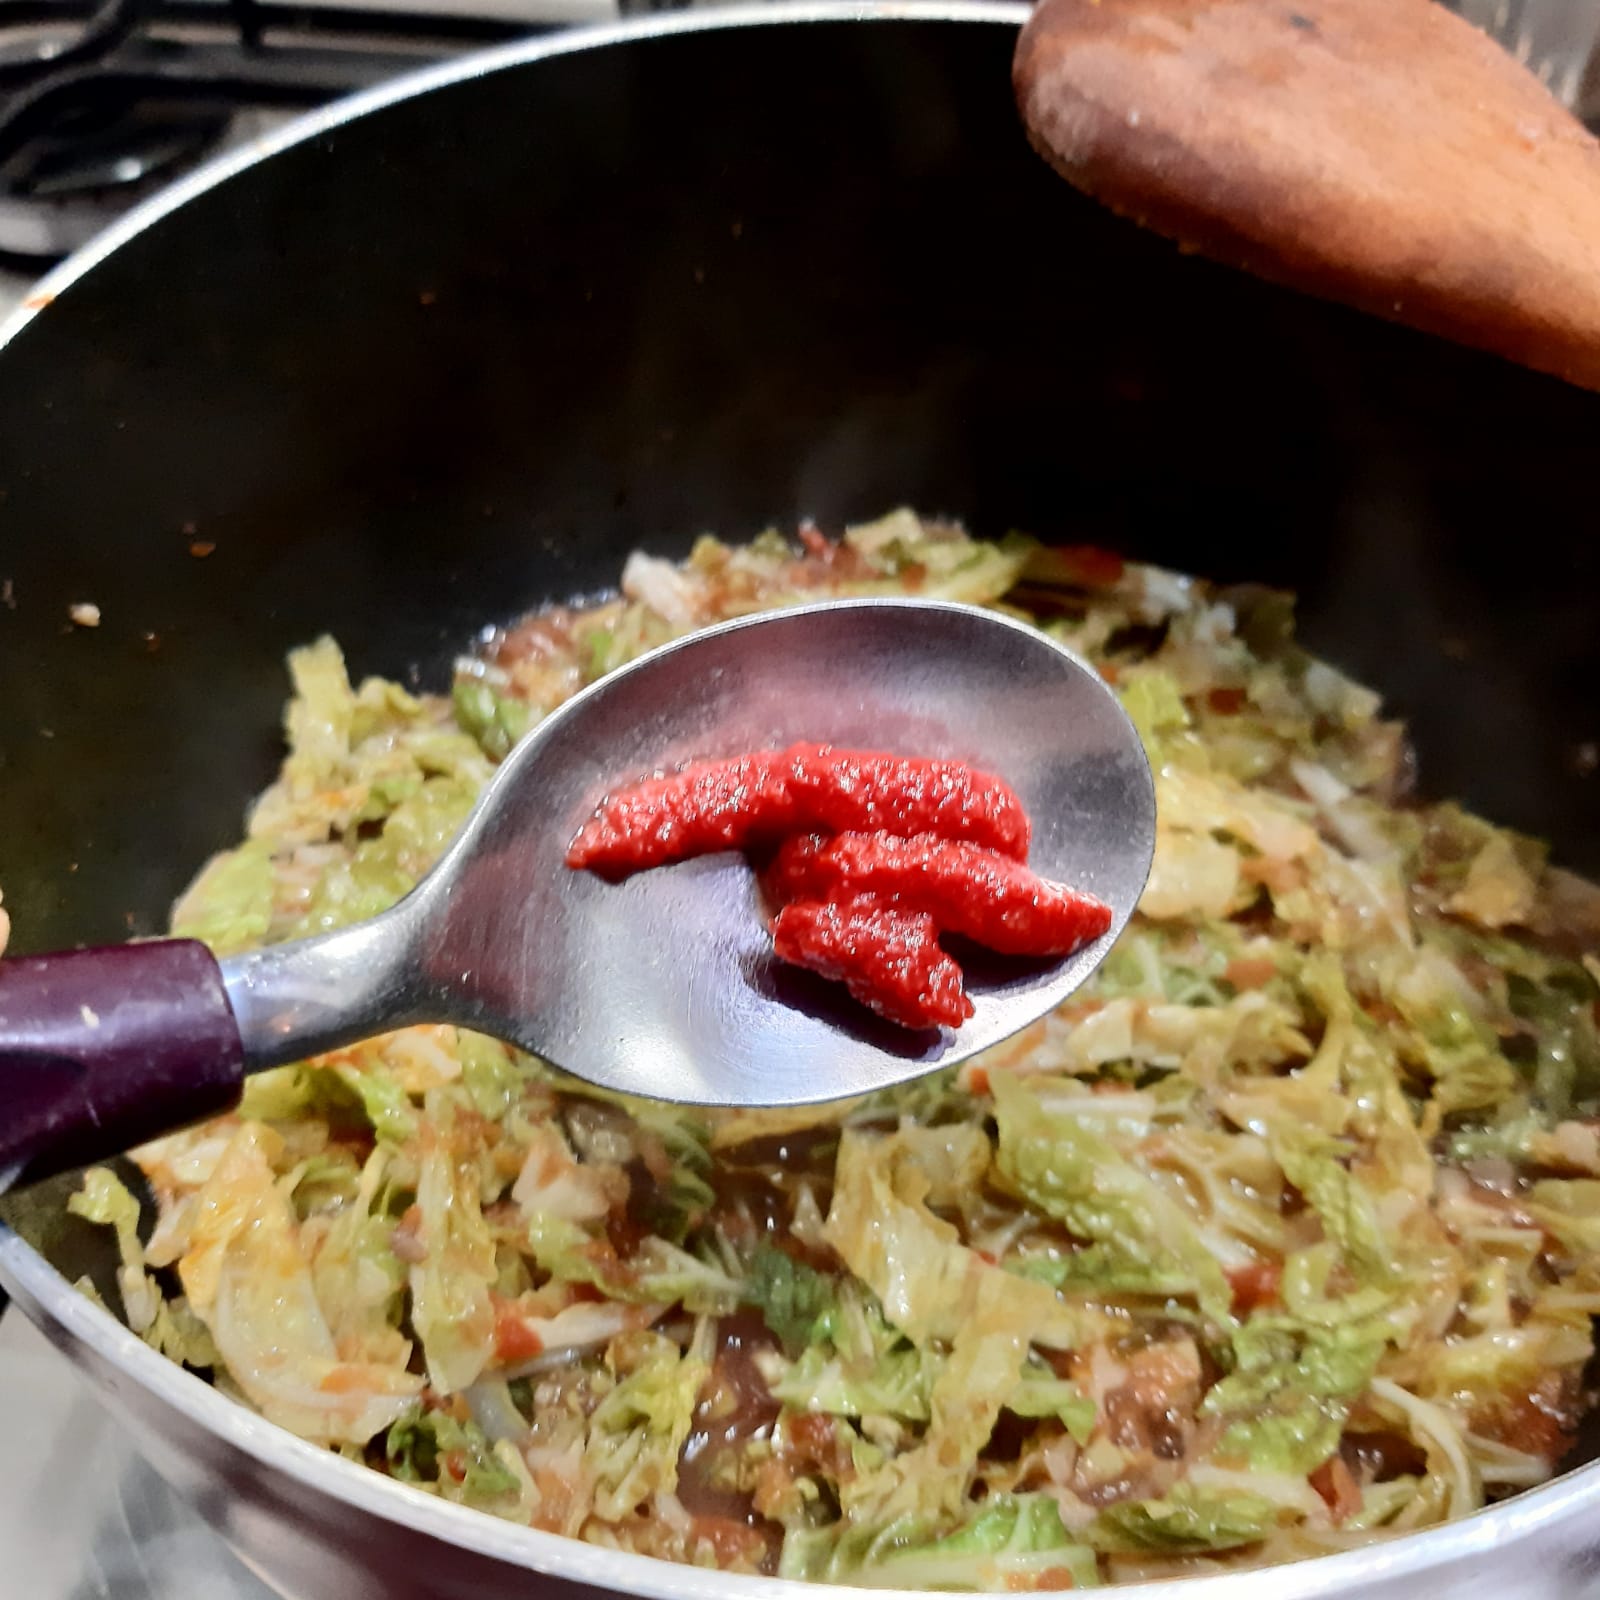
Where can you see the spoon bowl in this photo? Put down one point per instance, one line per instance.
(664, 984)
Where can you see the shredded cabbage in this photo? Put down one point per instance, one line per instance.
(1283, 1233)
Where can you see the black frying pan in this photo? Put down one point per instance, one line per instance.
(448, 360)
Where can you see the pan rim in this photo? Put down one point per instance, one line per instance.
(480, 64)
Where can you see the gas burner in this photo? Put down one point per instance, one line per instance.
(101, 107)
(95, 157)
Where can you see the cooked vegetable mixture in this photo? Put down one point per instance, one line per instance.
(1283, 1235)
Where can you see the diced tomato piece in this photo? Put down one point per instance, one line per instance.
(514, 1340)
(1250, 972)
(1337, 1485)
(1254, 1284)
(1535, 1421)
(1054, 1580)
(1086, 564)
(345, 1379)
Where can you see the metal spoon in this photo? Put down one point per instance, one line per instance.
(662, 985)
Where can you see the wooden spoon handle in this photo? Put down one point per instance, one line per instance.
(1379, 152)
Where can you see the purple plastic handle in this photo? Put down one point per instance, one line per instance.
(103, 1049)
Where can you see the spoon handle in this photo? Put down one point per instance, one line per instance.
(307, 996)
(103, 1049)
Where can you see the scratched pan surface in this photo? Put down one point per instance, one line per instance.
(439, 361)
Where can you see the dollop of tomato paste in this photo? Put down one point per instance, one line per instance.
(889, 959)
(758, 799)
(877, 856)
(979, 894)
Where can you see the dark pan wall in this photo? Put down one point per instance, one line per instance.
(439, 365)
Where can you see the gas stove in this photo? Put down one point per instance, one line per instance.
(104, 101)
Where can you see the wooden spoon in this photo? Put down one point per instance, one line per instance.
(1379, 152)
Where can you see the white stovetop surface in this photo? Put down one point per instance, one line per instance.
(81, 1517)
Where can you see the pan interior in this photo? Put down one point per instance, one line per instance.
(784, 272)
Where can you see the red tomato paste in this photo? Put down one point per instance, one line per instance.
(889, 959)
(756, 799)
(979, 894)
(877, 856)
